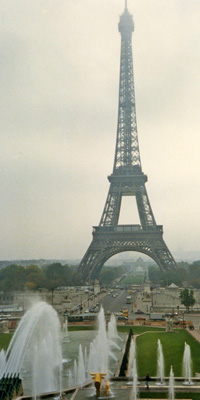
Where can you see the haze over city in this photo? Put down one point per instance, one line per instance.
(59, 76)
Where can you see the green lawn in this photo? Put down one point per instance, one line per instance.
(5, 339)
(132, 279)
(160, 395)
(138, 329)
(81, 328)
(173, 349)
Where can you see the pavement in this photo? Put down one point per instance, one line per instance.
(195, 334)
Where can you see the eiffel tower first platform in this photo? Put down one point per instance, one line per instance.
(127, 179)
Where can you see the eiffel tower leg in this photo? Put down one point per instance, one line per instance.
(111, 210)
(93, 257)
(163, 256)
(144, 208)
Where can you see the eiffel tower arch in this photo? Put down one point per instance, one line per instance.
(127, 179)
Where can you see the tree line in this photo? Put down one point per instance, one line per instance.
(186, 275)
(16, 277)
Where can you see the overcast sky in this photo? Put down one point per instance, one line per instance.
(59, 76)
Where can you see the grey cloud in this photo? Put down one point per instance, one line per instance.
(59, 74)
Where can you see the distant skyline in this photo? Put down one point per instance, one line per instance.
(59, 76)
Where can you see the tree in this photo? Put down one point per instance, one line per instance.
(187, 298)
(30, 285)
(57, 273)
(35, 276)
(12, 278)
(155, 274)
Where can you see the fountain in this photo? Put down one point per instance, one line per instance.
(113, 334)
(35, 351)
(99, 354)
(2, 356)
(70, 379)
(99, 349)
(81, 373)
(65, 331)
(112, 329)
(160, 364)
(36, 348)
(132, 356)
(135, 388)
(187, 362)
(75, 373)
(171, 384)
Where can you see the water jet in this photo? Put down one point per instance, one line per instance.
(187, 363)
(160, 364)
(35, 347)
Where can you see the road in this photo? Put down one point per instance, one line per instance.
(114, 304)
(195, 318)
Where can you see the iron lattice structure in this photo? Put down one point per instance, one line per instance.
(127, 179)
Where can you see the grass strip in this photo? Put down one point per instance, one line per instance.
(173, 350)
(165, 395)
(5, 339)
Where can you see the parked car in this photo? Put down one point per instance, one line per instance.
(122, 318)
(139, 312)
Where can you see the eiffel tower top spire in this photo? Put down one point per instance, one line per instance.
(127, 156)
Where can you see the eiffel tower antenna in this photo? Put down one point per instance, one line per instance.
(127, 179)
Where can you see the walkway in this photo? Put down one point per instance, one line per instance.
(195, 334)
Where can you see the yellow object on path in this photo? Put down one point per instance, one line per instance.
(100, 383)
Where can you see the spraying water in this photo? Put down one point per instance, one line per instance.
(81, 377)
(132, 356)
(65, 331)
(187, 365)
(160, 363)
(99, 353)
(112, 328)
(2, 356)
(75, 372)
(135, 388)
(171, 384)
(38, 336)
(99, 349)
(70, 379)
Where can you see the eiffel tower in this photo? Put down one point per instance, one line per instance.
(127, 179)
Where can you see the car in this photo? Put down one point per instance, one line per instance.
(171, 314)
(139, 312)
(122, 318)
